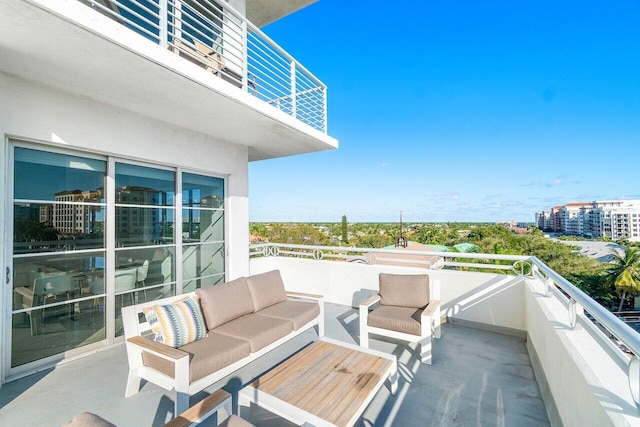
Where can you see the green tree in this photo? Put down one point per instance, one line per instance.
(624, 273)
(374, 241)
(345, 230)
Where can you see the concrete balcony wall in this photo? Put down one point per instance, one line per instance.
(581, 381)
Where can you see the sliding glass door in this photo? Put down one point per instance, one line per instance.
(58, 253)
(84, 248)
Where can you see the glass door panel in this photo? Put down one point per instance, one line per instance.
(58, 254)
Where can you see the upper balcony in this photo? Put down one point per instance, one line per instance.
(197, 64)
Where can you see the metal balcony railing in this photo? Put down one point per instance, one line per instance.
(213, 35)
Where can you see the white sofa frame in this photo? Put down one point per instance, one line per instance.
(137, 343)
(429, 324)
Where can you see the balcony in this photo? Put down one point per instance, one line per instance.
(197, 64)
(520, 346)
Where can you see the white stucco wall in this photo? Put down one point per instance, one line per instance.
(36, 113)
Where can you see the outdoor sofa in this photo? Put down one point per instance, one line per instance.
(203, 336)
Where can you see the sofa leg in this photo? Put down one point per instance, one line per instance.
(133, 383)
(425, 351)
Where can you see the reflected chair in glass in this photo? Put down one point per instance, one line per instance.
(44, 290)
(96, 287)
(125, 284)
(141, 275)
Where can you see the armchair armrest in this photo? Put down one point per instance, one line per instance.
(202, 410)
(431, 308)
(25, 292)
(430, 319)
(157, 349)
(369, 301)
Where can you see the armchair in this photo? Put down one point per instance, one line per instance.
(408, 310)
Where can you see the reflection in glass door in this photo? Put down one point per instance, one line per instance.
(80, 255)
(145, 244)
(58, 254)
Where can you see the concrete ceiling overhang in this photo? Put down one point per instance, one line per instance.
(264, 12)
(68, 46)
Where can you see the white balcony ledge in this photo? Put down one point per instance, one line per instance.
(66, 45)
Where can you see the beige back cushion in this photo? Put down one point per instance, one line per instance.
(225, 302)
(266, 289)
(404, 290)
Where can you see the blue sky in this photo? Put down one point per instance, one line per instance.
(461, 110)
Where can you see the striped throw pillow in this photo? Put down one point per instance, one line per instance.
(178, 323)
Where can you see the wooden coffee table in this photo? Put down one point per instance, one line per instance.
(328, 383)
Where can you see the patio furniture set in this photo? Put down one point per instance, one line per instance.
(188, 342)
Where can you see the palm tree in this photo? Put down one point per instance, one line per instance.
(624, 273)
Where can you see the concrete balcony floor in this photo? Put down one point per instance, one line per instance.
(477, 378)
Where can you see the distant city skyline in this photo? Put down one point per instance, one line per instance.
(479, 112)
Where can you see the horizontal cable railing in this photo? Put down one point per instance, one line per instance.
(214, 36)
(620, 340)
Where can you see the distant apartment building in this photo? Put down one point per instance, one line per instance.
(615, 219)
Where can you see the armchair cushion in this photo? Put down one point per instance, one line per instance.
(225, 302)
(178, 323)
(266, 289)
(404, 290)
(399, 319)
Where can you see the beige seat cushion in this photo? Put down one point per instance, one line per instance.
(224, 302)
(400, 319)
(208, 355)
(259, 330)
(235, 421)
(266, 289)
(298, 312)
(404, 290)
